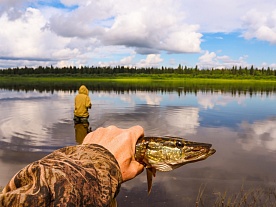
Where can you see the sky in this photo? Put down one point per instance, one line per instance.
(140, 33)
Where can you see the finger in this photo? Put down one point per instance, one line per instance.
(138, 132)
(112, 131)
(97, 136)
(134, 169)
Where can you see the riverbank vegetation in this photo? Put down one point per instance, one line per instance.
(125, 85)
(255, 196)
(151, 73)
(238, 81)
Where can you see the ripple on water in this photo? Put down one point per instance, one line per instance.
(22, 133)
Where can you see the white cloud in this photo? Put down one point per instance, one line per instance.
(62, 36)
(25, 37)
(222, 16)
(66, 53)
(11, 8)
(127, 60)
(260, 25)
(43, 33)
(151, 60)
(132, 24)
(207, 58)
(212, 60)
(71, 2)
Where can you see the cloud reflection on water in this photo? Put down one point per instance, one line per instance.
(243, 147)
(209, 101)
(259, 134)
(185, 119)
(30, 118)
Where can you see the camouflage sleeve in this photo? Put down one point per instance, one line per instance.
(82, 175)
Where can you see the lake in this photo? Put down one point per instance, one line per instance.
(240, 123)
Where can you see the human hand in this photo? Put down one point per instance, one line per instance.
(121, 143)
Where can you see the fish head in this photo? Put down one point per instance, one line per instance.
(168, 153)
(193, 151)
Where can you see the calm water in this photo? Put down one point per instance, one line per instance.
(242, 128)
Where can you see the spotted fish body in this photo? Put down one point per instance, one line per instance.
(168, 153)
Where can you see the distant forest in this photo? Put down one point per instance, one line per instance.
(182, 71)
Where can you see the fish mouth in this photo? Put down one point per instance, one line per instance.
(198, 152)
(211, 151)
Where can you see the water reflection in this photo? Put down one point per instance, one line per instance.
(81, 131)
(241, 129)
(210, 102)
(185, 119)
(82, 128)
(260, 134)
(228, 171)
(35, 121)
(180, 87)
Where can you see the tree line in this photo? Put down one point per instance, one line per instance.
(121, 70)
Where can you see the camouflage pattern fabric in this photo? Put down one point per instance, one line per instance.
(82, 175)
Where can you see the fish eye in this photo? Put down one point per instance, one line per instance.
(179, 144)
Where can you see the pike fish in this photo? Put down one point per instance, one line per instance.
(168, 153)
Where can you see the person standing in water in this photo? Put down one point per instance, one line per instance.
(81, 114)
(82, 104)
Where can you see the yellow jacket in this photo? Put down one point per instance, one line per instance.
(82, 103)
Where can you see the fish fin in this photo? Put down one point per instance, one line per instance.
(163, 167)
(153, 170)
(149, 179)
(177, 165)
(173, 137)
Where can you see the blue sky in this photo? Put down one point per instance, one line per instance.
(141, 33)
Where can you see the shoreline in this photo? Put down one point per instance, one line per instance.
(144, 78)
